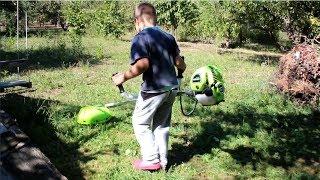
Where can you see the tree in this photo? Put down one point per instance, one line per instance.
(174, 13)
(7, 6)
(108, 19)
(8, 11)
(76, 16)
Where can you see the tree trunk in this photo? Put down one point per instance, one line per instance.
(240, 37)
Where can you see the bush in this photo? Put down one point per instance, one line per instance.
(96, 18)
(76, 17)
(299, 74)
(108, 19)
(188, 32)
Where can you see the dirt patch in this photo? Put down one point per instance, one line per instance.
(251, 52)
(56, 91)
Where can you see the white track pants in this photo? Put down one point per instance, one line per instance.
(151, 120)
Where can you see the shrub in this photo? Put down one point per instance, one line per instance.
(108, 19)
(76, 17)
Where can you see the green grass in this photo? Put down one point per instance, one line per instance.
(256, 133)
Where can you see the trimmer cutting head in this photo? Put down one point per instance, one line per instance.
(90, 115)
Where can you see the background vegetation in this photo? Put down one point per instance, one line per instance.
(208, 21)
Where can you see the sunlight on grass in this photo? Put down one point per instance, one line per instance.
(255, 133)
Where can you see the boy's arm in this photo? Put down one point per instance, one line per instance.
(138, 68)
(179, 60)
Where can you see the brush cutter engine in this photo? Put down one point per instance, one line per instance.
(208, 85)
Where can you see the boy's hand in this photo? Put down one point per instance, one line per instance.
(118, 78)
(180, 64)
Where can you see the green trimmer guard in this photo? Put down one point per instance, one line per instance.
(93, 114)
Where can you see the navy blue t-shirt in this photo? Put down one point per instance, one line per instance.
(161, 49)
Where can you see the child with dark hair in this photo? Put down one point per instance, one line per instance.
(155, 54)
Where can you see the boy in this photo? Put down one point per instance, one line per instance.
(155, 54)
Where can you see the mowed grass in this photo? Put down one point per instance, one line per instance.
(256, 133)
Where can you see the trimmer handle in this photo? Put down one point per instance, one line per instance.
(121, 89)
(180, 76)
(120, 86)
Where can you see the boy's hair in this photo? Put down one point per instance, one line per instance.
(147, 12)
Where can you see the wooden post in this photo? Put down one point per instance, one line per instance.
(18, 26)
(26, 28)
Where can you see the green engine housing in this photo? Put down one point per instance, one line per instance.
(208, 80)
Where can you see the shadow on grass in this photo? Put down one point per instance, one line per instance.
(47, 57)
(264, 59)
(259, 58)
(294, 137)
(260, 47)
(34, 118)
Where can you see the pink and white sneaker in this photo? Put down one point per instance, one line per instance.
(145, 166)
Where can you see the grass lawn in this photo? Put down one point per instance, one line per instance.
(255, 133)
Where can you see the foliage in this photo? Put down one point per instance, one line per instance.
(238, 21)
(104, 18)
(297, 17)
(255, 16)
(10, 23)
(42, 11)
(171, 14)
(76, 17)
(210, 24)
(8, 17)
(315, 25)
(256, 21)
(205, 27)
(37, 12)
(7, 6)
(271, 17)
(167, 12)
(108, 19)
(76, 44)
